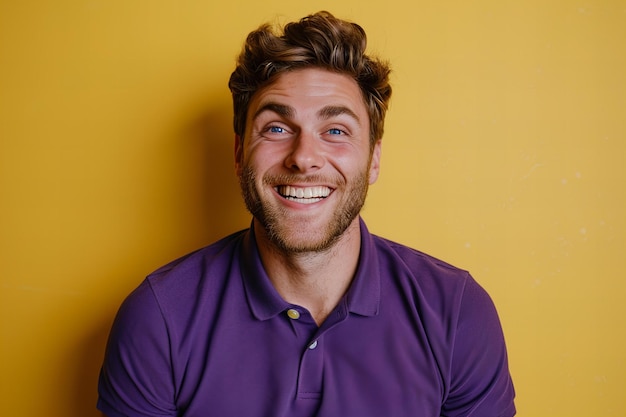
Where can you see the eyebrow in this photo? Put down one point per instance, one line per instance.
(288, 112)
(332, 111)
(280, 109)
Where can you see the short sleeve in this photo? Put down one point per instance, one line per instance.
(136, 376)
(480, 382)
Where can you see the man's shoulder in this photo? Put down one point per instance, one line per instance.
(187, 272)
(423, 279)
(432, 285)
(174, 289)
(219, 251)
(403, 256)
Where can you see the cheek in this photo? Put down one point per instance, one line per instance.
(352, 164)
(266, 158)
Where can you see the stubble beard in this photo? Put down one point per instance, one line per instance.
(273, 219)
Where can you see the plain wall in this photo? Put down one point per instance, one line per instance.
(504, 154)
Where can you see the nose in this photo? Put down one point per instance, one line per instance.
(306, 154)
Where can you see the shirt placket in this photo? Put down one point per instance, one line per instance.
(311, 369)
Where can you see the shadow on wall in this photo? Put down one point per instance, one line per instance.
(86, 360)
(210, 208)
(215, 198)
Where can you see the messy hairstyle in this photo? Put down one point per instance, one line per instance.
(320, 41)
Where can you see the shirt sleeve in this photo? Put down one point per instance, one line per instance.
(136, 376)
(480, 382)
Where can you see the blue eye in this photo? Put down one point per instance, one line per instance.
(276, 129)
(335, 131)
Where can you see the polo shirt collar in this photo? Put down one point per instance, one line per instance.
(362, 298)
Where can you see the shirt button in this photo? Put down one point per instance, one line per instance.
(293, 314)
(313, 345)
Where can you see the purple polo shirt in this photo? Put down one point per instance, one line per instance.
(208, 335)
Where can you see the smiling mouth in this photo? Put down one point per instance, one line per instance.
(304, 195)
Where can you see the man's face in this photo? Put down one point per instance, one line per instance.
(305, 162)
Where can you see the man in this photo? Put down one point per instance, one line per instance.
(306, 313)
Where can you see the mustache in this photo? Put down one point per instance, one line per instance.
(283, 179)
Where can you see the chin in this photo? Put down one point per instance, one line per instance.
(303, 241)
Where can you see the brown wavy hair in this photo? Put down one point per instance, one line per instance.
(321, 41)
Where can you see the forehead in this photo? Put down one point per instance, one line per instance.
(309, 90)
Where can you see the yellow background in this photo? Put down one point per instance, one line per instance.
(504, 154)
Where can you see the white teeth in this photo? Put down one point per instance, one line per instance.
(306, 193)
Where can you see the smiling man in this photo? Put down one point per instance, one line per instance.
(306, 313)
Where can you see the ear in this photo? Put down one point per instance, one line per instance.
(238, 155)
(375, 162)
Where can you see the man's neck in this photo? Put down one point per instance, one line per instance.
(313, 280)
